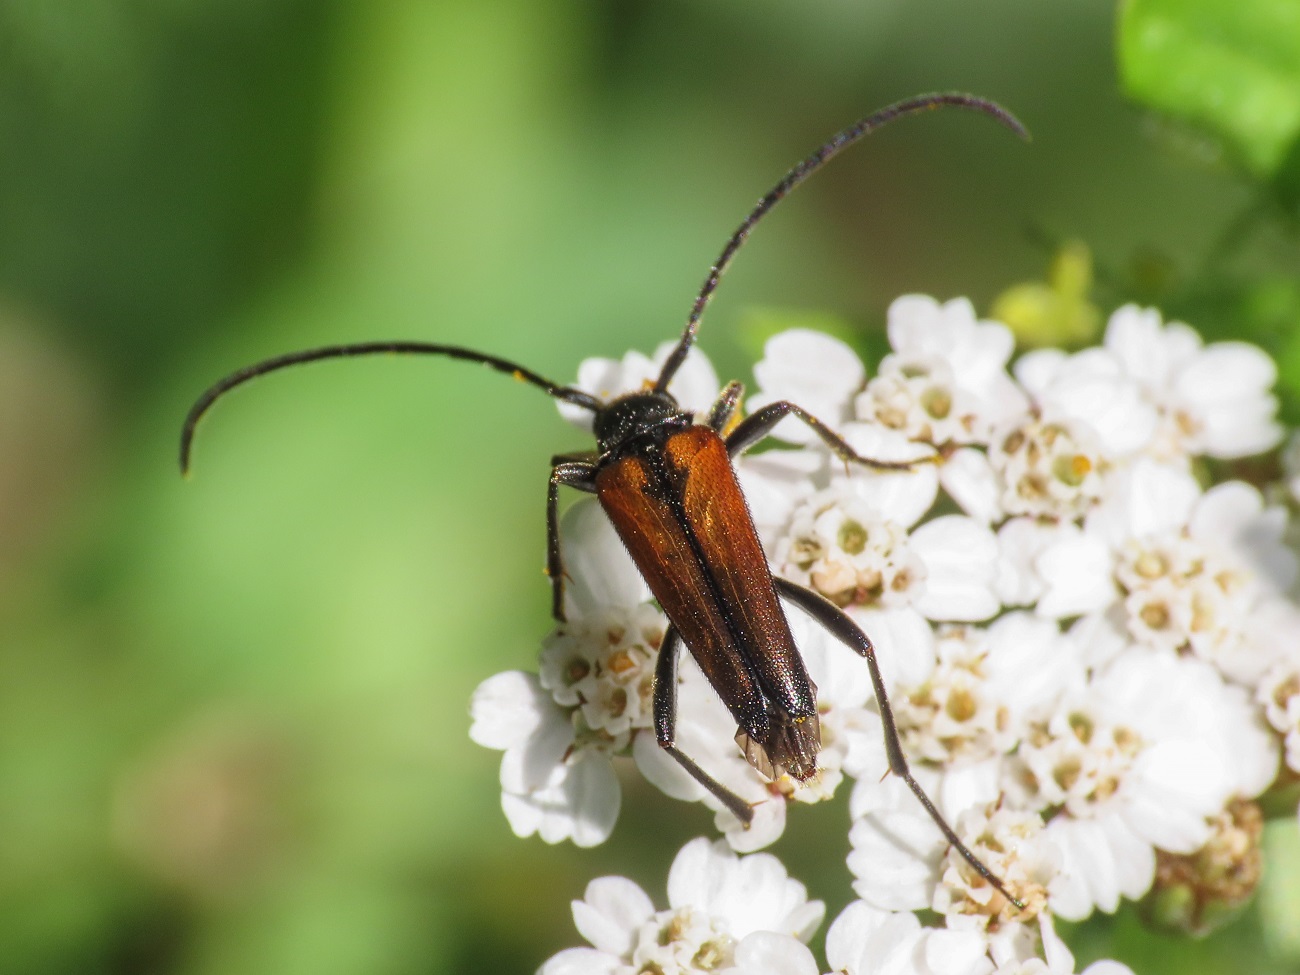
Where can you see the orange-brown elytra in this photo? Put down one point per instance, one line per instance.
(668, 486)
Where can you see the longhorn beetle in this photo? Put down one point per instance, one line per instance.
(669, 489)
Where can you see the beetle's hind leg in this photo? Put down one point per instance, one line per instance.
(841, 626)
(758, 425)
(580, 474)
(665, 718)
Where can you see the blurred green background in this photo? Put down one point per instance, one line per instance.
(233, 711)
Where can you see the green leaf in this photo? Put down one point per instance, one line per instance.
(1231, 68)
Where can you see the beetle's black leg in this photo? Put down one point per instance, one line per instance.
(725, 406)
(576, 474)
(758, 425)
(841, 626)
(665, 716)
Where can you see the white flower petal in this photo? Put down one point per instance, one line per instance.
(968, 786)
(663, 771)
(1180, 783)
(581, 961)
(1107, 966)
(1099, 638)
(1135, 863)
(580, 802)
(802, 361)
(600, 572)
(970, 480)
(775, 481)
(1029, 666)
(904, 644)
(768, 953)
(1229, 382)
(956, 953)
(696, 872)
(1227, 371)
(762, 831)
(1136, 338)
(1145, 499)
(1037, 369)
(1079, 572)
(1088, 874)
(852, 931)
(961, 561)
(611, 911)
(531, 764)
(1055, 952)
(896, 847)
(811, 369)
(865, 940)
(508, 708)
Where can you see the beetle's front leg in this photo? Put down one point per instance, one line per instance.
(576, 474)
(758, 425)
(724, 407)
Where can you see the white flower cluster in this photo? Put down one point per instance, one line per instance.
(1091, 653)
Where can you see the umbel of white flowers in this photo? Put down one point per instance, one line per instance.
(1092, 664)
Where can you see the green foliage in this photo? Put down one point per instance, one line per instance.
(1232, 68)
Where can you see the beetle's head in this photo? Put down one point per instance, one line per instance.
(633, 415)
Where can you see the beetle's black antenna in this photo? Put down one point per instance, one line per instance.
(910, 106)
(214, 392)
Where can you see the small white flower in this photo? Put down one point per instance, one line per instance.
(841, 546)
(603, 664)
(900, 860)
(1092, 389)
(1214, 399)
(1202, 572)
(985, 689)
(579, 801)
(860, 554)
(1279, 693)
(1014, 846)
(1047, 468)
(1139, 760)
(548, 786)
(560, 730)
(945, 381)
(1018, 950)
(725, 914)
